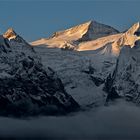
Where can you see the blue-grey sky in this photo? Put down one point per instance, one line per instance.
(34, 19)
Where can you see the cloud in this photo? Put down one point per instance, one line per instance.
(117, 121)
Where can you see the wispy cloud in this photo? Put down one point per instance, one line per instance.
(119, 121)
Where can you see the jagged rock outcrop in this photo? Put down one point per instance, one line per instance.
(129, 37)
(10, 34)
(125, 80)
(26, 87)
(14, 38)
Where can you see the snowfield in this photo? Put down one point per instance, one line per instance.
(73, 69)
(82, 64)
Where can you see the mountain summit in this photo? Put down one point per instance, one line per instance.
(14, 38)
(92, 36)
(96, 30)
(134, 29)
(10, 34)
(86, 31)
(27, 88)
(73, 36)
(113, 42)
(129, 37)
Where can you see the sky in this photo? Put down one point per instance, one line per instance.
(35, 19)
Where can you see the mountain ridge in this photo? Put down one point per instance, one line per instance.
(10, 34)
(124, 80)
(28, 88)
(116, 41)
(84, 72)
(91, 36)
(87, 31)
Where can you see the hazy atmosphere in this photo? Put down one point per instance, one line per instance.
(107, 123)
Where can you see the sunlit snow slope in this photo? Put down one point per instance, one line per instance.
(91, 36)
(72, 37)
(84, 72)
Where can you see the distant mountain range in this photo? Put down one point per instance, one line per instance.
(84, 66)
(91, 36)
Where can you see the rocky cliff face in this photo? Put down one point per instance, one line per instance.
(125, 81)
(26, 88)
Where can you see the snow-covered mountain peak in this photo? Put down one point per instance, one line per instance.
(112, 44)
(87, 31)
(76, 31)
(134, 28)
(23, 76)
(94, 36)
(10, 34)
(129, 37)
(14, 38)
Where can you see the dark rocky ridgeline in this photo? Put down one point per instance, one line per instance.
(125, 80)
(26, 88)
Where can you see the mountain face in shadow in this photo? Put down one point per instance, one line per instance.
(26, 87)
